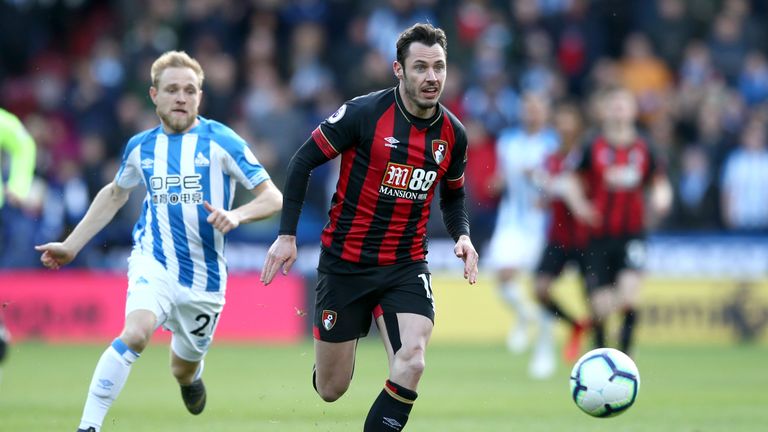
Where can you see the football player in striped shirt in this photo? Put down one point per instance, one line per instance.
(396, 146)
(177, 274)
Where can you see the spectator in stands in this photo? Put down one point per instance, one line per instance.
(745, 181)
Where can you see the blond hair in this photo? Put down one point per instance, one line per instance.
(176, 59)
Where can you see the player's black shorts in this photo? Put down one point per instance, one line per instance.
(608, 256)
(348, 294)
(555, 258)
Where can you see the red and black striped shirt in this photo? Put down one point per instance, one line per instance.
(391, 164)
(565, 230)
(616, 178)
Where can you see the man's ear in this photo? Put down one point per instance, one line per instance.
(398, 69)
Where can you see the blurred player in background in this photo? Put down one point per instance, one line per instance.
(567, 235)
(518, 238)
(396, 146)
(16, 142)
(618, 168)
(177, 272)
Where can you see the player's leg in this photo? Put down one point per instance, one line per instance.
(600, 278)
(543, 364)
(507, 260)
(5, 340)
(144, 308)
(342, 315)
(334, 365)
(192, 322)
(114, 366)
(405, 318)
(629, 282)
(405, 338)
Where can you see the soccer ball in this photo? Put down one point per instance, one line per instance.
(604, 382)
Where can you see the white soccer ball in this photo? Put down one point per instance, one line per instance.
(604, 382)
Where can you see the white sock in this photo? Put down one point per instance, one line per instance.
(108, 379)
(199, 372)
(512, 294)
(546, 328)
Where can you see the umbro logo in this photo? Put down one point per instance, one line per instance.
(392, 423)
(201, 161)
(147, 163)
(391, 141)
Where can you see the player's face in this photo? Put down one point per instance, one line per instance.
(620, 107)
(422, 78)
(535, 110)
(177, 98)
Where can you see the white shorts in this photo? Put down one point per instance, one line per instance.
(512, 248)
(189, 314)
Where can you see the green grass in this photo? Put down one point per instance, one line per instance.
(465, 388)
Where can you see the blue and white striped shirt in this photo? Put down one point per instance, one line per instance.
(181, 171)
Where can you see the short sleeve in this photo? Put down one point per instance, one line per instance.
(454, 177)
(238, 160)
(129, 175)
(341, 130)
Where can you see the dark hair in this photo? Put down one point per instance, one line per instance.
(421, 32)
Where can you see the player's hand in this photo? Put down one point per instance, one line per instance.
(55, 255)
(282, 253)
(466, 251)
(587, 214)
(223, 220)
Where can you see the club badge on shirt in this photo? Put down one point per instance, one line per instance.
(438, 150)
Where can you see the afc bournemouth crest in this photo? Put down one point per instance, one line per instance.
(329, 319)
(438, 150)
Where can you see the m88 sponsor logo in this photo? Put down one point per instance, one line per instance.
(406, 181)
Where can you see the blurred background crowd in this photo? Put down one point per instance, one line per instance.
(77, 73)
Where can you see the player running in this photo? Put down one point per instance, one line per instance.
(177, 273)
(519, 235)
(618, 167)
(396, 146)
(567, 237)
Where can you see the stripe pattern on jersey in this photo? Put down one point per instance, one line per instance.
(369, 227)
(180, 172)
(622, 211)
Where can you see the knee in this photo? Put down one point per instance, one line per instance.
(331, 391)
(136, 339)
(410, 360)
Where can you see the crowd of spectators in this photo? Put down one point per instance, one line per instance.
(77, 73)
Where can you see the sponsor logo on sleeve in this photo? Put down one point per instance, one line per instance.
(338, 114)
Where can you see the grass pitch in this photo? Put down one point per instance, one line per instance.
(465, 388)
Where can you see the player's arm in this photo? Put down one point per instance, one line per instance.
(21, 148)
(660, 189)
(102, 210)
(338, 132)
(569, 187)
(452, 204)
(283, 251)
(266, 202)
(456, 222)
